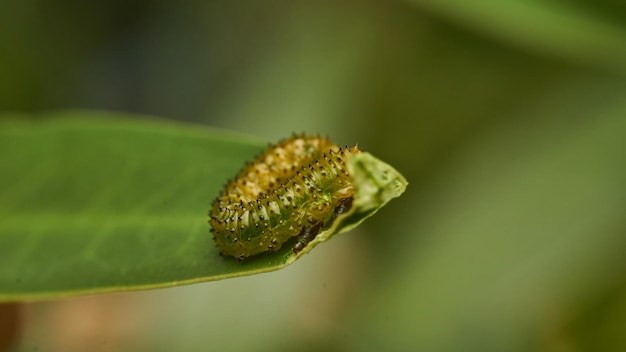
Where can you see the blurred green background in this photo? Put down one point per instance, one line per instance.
(508, 118)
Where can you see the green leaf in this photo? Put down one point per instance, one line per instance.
(569, 31)
(95, 202)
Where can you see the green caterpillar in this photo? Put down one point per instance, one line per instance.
(293, 189)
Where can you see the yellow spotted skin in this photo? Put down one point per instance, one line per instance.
(293, 189)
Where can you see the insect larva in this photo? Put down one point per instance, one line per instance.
(289, 193)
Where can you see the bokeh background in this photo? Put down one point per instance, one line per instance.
(507, 117)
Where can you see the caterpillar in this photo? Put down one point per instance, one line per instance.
(289, 193)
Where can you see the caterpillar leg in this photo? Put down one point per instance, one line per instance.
(307, 234)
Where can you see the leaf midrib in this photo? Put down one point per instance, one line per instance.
(19, 220)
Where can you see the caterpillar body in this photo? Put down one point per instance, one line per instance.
(286, 195)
